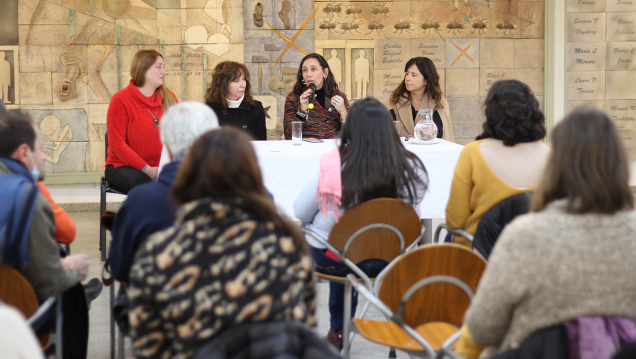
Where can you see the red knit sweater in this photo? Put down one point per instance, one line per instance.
(133, 139)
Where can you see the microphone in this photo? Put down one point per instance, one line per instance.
(311, 98)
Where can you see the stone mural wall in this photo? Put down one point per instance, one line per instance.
(62, 60)
(601, 61)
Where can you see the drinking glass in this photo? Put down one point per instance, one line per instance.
(297, 133)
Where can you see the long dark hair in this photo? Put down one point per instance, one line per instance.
(588, 166)
(429, 72)
(330, 86)
(224, 73)
(375, 163)
(222, 164)
(512, 114)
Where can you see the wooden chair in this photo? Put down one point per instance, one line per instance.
(17, 292)
(425, 293)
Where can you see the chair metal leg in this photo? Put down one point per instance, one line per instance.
(346, 343)
(112, 320)
(102, 230)
(120, 345)
(58, 326)
(392, 354)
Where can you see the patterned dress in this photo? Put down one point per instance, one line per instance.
(219, 266)
(323, 122)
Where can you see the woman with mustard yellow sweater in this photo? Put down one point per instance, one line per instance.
(505, 160)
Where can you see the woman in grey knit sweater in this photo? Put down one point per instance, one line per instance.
(575, 254)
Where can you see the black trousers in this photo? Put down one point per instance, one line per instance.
(124, 178)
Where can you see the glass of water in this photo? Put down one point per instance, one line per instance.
(297, 133)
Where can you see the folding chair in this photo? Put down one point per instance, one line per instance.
(381, 228)
(425, 294)
(16, 291)
(104, 188)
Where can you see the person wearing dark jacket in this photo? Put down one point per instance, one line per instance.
(230, 96)
(149, 207)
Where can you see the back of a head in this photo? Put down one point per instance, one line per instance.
(16, 128)
(220, 164)
(588, 166)
(375, 162)
(184, 123)
(512, 114)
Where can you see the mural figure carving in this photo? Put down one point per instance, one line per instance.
(283, 14)
(60, 136)
(362, 75)
(5, 77)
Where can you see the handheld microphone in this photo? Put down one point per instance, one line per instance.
(313, 95)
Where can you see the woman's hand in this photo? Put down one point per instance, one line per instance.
(339, 104)
(304, 100)
(151, 172)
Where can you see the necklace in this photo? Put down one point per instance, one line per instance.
(155, 120)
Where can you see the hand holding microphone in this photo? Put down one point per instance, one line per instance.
(312, 97)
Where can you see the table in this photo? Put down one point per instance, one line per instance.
(287, 168)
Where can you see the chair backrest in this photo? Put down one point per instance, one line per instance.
(105, 146)
(436, 302)
(16, 291)
(493, 222)
(386, 244)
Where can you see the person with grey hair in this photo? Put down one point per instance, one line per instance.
(149, 207)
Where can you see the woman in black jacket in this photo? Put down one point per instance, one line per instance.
(230, 96)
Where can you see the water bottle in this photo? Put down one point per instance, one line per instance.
(425, 129)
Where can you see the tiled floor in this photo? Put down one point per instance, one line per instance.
(87, 242)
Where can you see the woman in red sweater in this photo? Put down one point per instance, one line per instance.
(134, 114)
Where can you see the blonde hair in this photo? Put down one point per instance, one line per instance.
(141, 62)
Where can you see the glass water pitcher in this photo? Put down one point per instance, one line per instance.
(425, 129)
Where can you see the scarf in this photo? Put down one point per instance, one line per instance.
(330, 183)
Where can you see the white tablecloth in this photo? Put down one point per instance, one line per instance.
(287, 168)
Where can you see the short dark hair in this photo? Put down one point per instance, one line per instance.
(16, 128)
(588, 166)
(512, 114)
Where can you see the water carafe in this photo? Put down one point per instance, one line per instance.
(425, 129)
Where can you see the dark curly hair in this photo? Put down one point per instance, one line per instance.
(330, 85)
(224, 73)
(512, 114)
(428, 70)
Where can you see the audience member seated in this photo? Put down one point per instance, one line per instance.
(505, 160)
(370, 162)
(229, 259)
(21, 153)
(149, 208)
(133, 122)
(33, 250)
(17, 340)
(571, 260)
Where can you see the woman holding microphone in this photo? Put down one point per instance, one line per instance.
(323, 117)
